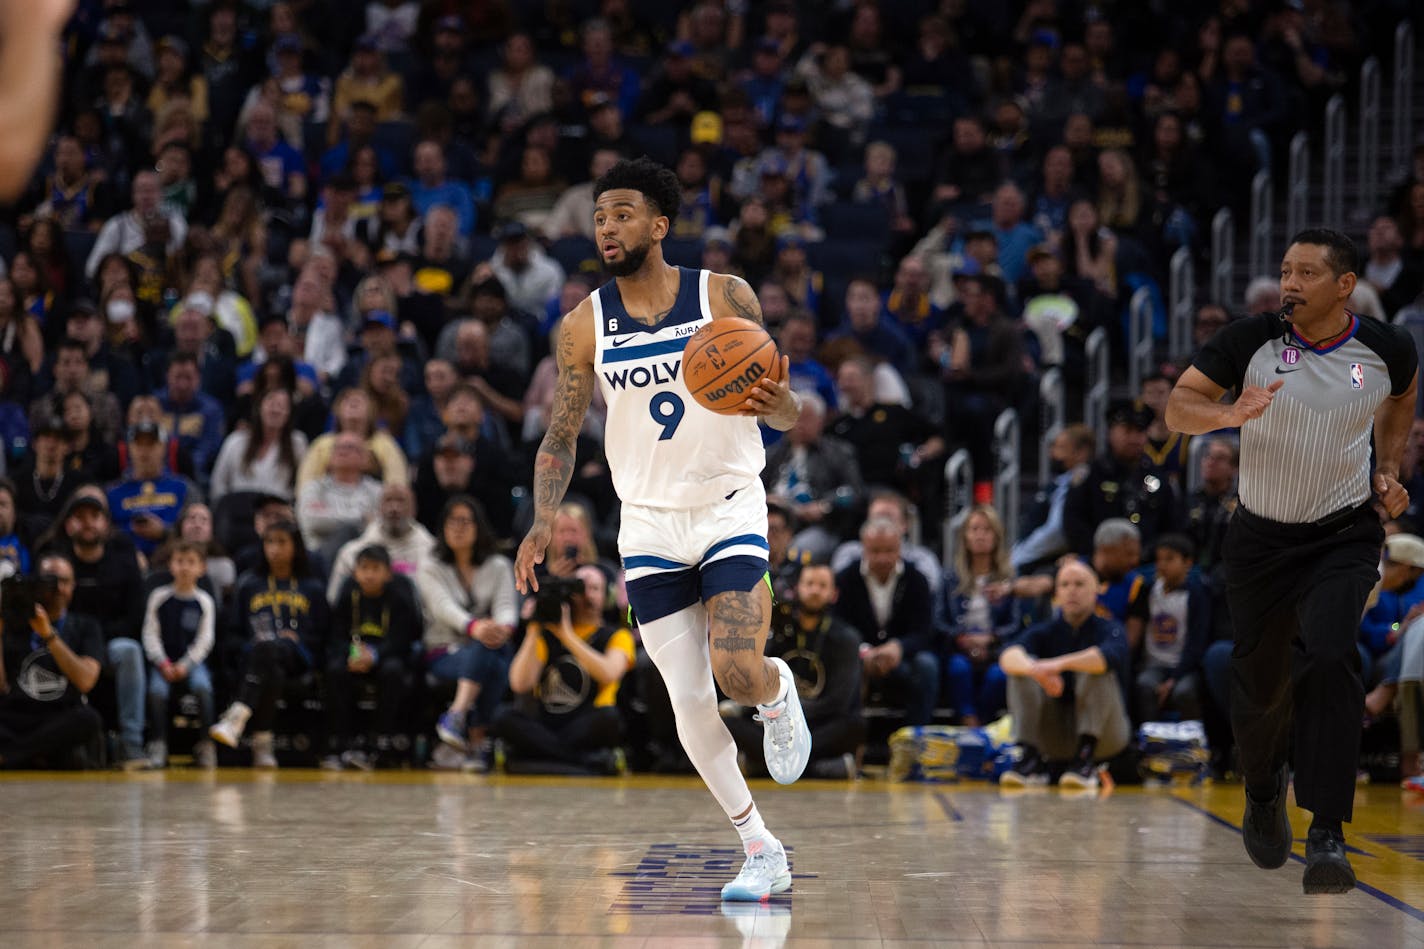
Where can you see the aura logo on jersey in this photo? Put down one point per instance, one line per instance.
(640, 377)
(737, 385)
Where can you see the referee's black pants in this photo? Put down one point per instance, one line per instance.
(1297, 592)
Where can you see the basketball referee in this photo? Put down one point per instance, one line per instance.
(1302, 550)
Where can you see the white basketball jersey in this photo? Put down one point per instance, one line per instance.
(664, 449)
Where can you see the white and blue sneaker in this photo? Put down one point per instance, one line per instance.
(787, 741)
(450, 727)
(765, 872)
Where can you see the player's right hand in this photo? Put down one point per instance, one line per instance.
(1254, 400)
(531, 552)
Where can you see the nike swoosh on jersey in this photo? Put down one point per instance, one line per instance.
(1282, 372)
(615, 343)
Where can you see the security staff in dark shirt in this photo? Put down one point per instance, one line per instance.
(1121, 484)
(1209, 508)
(1327, 400)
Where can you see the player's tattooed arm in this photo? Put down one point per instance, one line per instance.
(554, 464)
(740, 300)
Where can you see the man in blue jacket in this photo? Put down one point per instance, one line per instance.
(1066, 679)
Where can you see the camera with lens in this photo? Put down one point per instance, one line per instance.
(19, 595)
(553, 593)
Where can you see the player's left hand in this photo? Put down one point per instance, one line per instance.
(774, 401)
(1391, 493)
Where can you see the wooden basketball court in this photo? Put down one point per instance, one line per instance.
(399, 860)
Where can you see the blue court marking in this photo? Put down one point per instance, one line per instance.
(1381, 895)
(946, 805)
(685, 880)
(1409, 844)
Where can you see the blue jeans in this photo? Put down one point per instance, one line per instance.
(126, 661)
(988, 699)
(488, 668)
(199, 682)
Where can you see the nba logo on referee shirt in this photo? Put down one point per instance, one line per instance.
(1357, 376)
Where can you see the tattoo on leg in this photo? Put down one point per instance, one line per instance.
(737, 609)
(733, 643)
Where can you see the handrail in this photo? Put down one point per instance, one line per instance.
(1181, 288)
(1007, 450)
(1095, 396)
(1402, 127)
(958, 497)
(1223, 256)
(1258, 252)
(1333, 192)
(1051, 417)
(1139, 339)
(1298, 193)
(1369, 137)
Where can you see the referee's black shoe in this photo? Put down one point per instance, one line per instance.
(1266, 827)
(1327, 868)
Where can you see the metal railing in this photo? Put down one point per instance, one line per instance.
(1181, 292)
(1333, 196)
(1095, 396)
(958, 498)
(1258, 251)
(1007, 452)
(1369, 137)
(1139, 339)
(1402, 127)
(1223, 256)
(1298, 184)
(1051, 412)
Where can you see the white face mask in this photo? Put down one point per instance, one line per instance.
(119, 311)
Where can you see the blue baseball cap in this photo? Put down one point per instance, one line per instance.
(380, 317)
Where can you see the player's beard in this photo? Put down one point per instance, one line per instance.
(632, 260)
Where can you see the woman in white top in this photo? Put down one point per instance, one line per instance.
(354, 412)
(521, 82)
(467, 592)
(263, 456)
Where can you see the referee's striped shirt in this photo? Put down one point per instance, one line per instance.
(1308, 455)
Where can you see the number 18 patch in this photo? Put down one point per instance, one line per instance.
(1357, 376)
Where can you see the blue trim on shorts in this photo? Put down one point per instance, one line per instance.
(663, 594)
(740, 573)
(754, 540)
(644, 560)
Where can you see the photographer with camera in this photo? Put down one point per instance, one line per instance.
(49, 660)
(570, 664)
(467, 591)
(108, 585)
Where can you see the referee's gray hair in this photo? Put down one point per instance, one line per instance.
(879, 527)
(1114, 531)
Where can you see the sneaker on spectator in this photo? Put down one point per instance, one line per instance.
(357, 759)
(446, 758)
(262, 756)
(474, 763)
(132, 759)
(765, 872)
(1081, 775)
(1413, 783)
(228, 729)
(839, 768)
(332, 762)
(451, 729)
(205, 755)
(157, 752)
(1030, 771)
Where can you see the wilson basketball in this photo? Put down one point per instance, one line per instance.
(725, 359)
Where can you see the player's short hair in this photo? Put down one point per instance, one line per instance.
(1340, 252)
(657, 183)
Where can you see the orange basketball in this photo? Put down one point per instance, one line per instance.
(725, 359)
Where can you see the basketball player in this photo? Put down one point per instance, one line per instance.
(1318, 385)
(29, 85)
(693, 531)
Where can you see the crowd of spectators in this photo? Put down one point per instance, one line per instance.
(274, 322)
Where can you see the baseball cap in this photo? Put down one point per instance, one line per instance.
(511, 231)
(82, 307)
(1130, 412)
(706, 128)
(83, 499)
(379, 317)
(145, 430)
(394, 191)
(1406, 549)
(374, 553)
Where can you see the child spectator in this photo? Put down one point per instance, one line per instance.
(280, 608)
(374, 618)
(1177, 633)
(179, 629)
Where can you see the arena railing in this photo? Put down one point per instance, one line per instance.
(1259, 252)
(1008, 454)
(1298, 186)
(1095, 396)
(1140, 343)
(958, 498)
(1223, 256)
(1051, 410)
(1369, 138)
(1401, 143)
(1181, 292)
(1333, 192)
